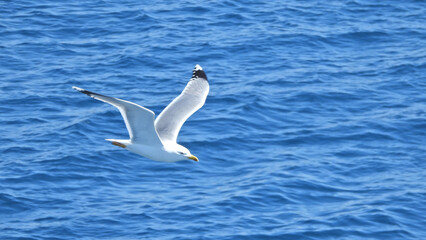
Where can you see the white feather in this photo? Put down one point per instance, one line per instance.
(192, 98)
(139, 120)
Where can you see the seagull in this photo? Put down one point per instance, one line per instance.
(156, 138)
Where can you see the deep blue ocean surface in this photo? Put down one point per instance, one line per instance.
(314, 128)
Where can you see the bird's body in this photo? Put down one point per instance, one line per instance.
(156, 138)
(164, 154)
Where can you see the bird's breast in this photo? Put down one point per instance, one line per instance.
(153, 153)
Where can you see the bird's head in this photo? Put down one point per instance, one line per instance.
(184, 153)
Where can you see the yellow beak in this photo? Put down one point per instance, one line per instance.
(192, 157)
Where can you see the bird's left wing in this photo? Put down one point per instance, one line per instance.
(139, 120)
(192, 98)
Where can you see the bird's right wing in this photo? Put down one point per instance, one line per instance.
(192, 98)
(139, 120)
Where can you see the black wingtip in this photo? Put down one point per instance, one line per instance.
(83, 90)
(88, 93)
(198, 72)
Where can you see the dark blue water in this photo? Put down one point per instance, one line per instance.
(314, 128)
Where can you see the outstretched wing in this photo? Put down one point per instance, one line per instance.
(139, 120)
(192, 98)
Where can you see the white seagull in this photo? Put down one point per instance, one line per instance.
(156, 139)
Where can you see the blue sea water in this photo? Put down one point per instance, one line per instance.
(314, 128)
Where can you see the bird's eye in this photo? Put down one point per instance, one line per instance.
(181, 153)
